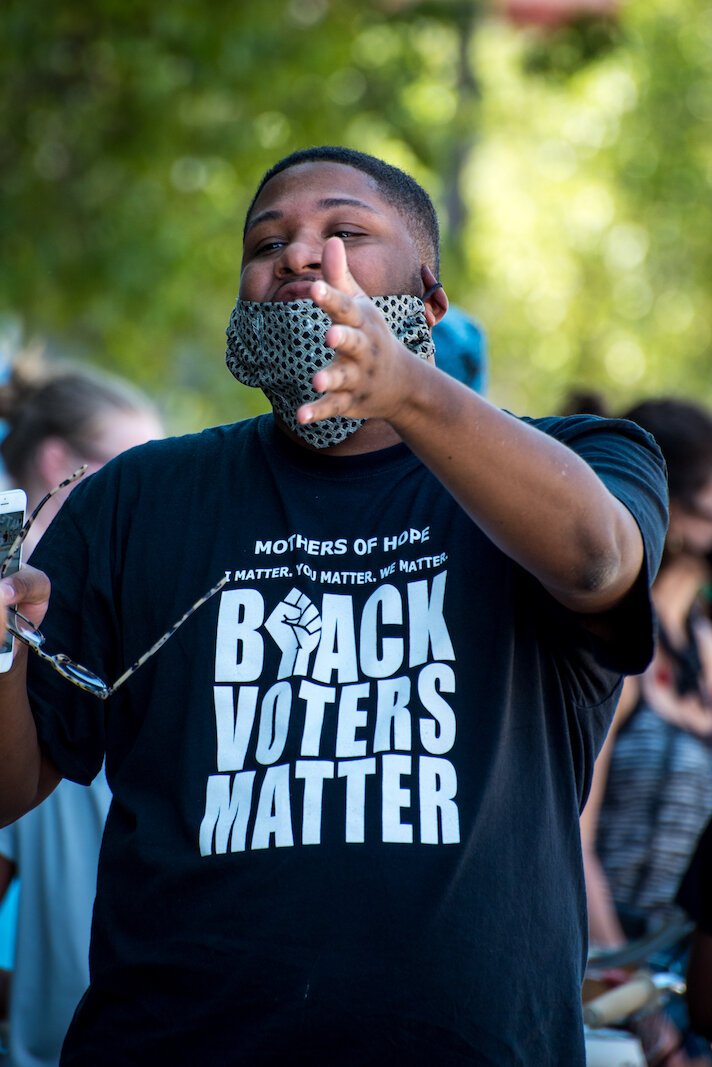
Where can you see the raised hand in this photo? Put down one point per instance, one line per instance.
(368, 377)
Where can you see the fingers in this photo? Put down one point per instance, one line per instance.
(360, 381)
(7, 597)
(353, 336)
(351, 346)
(335, 268)
(327, 407)
(338, 294)
(349, 380)
(29, 590)
(27, 586)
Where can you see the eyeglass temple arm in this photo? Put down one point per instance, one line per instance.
(168, 634)
(15, 547)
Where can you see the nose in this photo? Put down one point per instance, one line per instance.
(299, 257)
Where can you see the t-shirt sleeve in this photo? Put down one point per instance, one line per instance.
(75, 552)
(629, 463)
(695, 892)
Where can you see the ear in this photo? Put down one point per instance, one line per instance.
(54, 460)
(436, 302)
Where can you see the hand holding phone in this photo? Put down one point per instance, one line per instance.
(12, 515)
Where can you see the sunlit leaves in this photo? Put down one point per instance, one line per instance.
(573, 171)
(598, 185)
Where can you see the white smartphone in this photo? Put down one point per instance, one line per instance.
(12, 515)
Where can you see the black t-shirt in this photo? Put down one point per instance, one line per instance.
(345, 794)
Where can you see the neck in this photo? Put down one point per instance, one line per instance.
(374, 435)
(35, 491)
(675, 591)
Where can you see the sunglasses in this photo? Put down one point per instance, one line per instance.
(26, 632)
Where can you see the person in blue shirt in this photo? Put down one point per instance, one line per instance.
(461, 349)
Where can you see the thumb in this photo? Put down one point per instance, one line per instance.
(26, 586)
(29, 589)
(335, 268)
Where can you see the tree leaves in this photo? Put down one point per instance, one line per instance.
(577, 209)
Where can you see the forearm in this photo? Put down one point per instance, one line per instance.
(22, 768)
(26, 776)
(534, 497)
(604, 929)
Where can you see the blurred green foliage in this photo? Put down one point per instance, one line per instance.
(572, 170)
(591, 218)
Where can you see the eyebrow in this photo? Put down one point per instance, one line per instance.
(325, 204)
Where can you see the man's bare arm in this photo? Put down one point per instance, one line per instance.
(26, 775)
(534, 497)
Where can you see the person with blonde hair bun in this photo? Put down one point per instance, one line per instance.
(59, 416)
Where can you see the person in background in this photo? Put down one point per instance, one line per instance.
(461, 350)
(652, 787)
(58, 417)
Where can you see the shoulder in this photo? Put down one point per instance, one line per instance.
(8, 841)
(578, 431)
(702, 629)
(187, 456)
(624, 455)
(193, 447)
(144, 480)
(628, 461)
(626, 458)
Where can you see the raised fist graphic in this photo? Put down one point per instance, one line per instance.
(295, 626)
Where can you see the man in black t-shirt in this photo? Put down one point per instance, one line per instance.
(345, 795)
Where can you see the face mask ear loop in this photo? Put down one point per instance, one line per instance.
(431, 290)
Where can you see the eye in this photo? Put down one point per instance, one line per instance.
(265, 247)
(345, 235)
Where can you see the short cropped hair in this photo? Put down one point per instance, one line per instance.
(395, 186)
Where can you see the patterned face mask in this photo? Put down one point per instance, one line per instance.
(278, 348)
